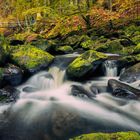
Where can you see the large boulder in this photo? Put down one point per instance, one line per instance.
(120, 89)
(131, 74)
(30, 58)
(111, 136)
(85, 64)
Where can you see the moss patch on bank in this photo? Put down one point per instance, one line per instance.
(112, 136)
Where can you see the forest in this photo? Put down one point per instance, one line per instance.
(69, 69)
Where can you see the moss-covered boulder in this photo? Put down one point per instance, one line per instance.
(137, 49)
(111, 136)
(30, 58)
(113, 46)
(85, 64)
(64, 49)
(136, 39)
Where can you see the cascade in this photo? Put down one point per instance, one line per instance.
(110, 68)
(37, 113)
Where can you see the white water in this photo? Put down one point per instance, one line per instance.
(103, 109)
(111, 69)
(107, 112)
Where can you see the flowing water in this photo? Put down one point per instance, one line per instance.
(48, 108)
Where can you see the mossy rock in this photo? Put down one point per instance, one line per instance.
(113, 46)
(84, 64)
(137, 49)
(136, 39)
(64, 49)
(30, 58)
(111, 136)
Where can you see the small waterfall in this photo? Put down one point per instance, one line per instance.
(110, 68)
(58, 75)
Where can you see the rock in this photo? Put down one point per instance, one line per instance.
(29, 89)
(137, 49)
(85, 64)
(8, 95)
(94, 89)
(11, 75)
(131, 74)
(64, 49)
(123, 93)
(80, 91)
(125, 90)
(111, 136)
(111, 47)
(16, 42)
(30, 58)
(136, 39)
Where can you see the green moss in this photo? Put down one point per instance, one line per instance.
(87, 44)
(136, 39)
(29, 57)
(107, 136)
(84, 63)
(137, 49)
(131, 30)
(64, 49)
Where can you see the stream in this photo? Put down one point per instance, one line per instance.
(51, 107)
